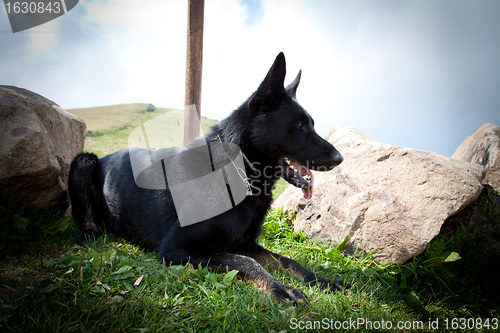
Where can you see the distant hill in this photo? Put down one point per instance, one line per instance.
(108, 127)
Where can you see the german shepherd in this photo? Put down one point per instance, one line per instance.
(277, 138)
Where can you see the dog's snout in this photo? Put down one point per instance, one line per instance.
(337, 158)
(328, 160)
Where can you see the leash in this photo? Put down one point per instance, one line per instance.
(250, 165)
(247, 182)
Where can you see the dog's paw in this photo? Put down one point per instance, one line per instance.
(286, 294)
(330, 285)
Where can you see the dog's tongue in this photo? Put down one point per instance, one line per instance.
(303, 171)
(308, 192)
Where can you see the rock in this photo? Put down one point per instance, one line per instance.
(483, 148)
(383, 197)
(39, 141)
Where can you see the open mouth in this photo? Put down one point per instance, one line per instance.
(298, 175)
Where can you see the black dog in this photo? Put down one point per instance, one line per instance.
(277, 137)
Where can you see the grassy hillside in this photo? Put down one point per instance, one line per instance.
(108, 127)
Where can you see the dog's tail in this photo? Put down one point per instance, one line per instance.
(88, 206)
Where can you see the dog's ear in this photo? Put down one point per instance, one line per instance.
(291, 89)
(270, 92)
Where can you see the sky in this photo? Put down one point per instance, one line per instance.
(423, 74)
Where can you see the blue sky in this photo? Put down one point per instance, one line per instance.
(421, 73)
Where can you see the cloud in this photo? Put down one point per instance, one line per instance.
(162, 17)
(415, 68)
(146, 43)
(43, 37)
(104, 53)
(237, 56)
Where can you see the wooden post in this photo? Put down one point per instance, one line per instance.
(193, 69)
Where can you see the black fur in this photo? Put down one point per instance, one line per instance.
(267, 127)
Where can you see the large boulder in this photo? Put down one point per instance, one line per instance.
(39, 141)
(483, 148)
(383, 197)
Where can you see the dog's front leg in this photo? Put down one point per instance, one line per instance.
(250, 269)
(279, 262)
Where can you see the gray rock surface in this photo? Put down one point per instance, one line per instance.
(38, 142)
(482, 148)
(383, 197)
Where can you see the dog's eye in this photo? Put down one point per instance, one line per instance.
(299, 124)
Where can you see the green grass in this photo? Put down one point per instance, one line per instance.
(91, 289)
(50, 285)
(279, 187)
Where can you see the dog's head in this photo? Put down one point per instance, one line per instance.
(283, 130)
